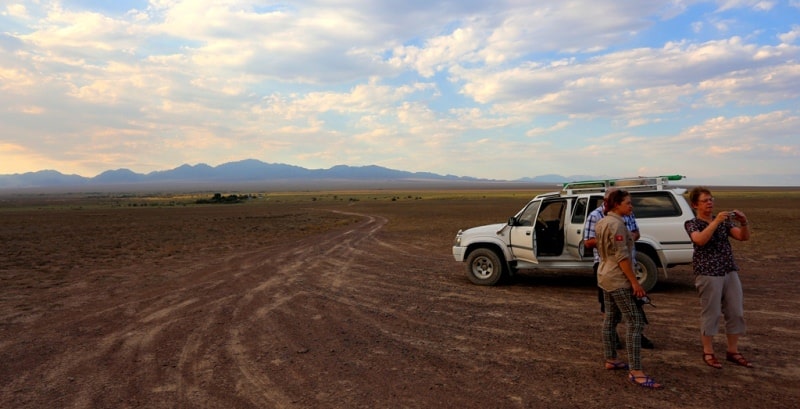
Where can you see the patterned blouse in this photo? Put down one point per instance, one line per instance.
(715, 258)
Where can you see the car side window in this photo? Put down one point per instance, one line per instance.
(528, 215)
(654, 204)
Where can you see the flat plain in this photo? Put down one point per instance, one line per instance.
(351, 299)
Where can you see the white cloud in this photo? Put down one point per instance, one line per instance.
(758, 5)
(401, 84)
(746, 130)
(790, 36)
(548, 130)
(438, 53)
(641, 82)
(16, 10)
(763, 86)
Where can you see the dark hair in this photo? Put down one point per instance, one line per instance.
(614, 199)
(694, 194)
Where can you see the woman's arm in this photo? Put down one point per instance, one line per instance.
(702, 237)
(627, 269)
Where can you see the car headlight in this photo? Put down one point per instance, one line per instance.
(457, 240)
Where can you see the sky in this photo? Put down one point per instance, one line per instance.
(500, 89)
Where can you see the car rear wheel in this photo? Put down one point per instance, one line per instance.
(484, 267)
(646, 271)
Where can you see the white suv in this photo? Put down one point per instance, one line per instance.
(548, 232)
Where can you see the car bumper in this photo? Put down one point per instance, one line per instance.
(459, 252)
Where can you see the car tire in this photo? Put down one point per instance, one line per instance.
(484, 267)
(646, 271)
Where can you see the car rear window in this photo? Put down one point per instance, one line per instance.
(654, 204)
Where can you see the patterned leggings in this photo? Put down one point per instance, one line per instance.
(620, 304)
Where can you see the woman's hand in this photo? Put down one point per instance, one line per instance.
(740, 232)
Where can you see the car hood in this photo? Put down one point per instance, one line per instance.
(487, 230)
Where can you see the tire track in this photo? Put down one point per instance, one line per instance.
(331, 253)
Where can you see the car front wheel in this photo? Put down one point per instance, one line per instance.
(484, 267)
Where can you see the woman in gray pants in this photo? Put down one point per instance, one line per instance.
(716, 274)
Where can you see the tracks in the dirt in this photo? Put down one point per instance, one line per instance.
(290, 274)
(360, 317)
(207, 342)
(192, 338)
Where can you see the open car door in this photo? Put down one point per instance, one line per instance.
(522, 235)
(580, 211)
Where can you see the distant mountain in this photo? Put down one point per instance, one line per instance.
(256, 173)
(249, 170)
(41, 178)
(118, 176)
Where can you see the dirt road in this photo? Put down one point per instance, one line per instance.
(346, 305)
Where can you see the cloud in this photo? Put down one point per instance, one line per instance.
(758, 5)
(746, 130)
(438, 53)
(636, 84)
(790, 36)
(395, 83)
(15, 10)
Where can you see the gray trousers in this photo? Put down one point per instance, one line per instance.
(720, 296)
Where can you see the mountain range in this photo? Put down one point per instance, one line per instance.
(245, 171)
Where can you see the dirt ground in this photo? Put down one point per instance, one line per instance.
(339, 301)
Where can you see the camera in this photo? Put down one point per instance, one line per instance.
(645, 300)
(732, 216)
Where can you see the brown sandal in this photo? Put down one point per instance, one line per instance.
(711, 361)
(738, 359)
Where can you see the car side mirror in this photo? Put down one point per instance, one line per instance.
(512, 221)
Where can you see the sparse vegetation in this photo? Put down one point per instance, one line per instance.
(219, 198)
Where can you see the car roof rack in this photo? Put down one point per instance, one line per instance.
(630, 183)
